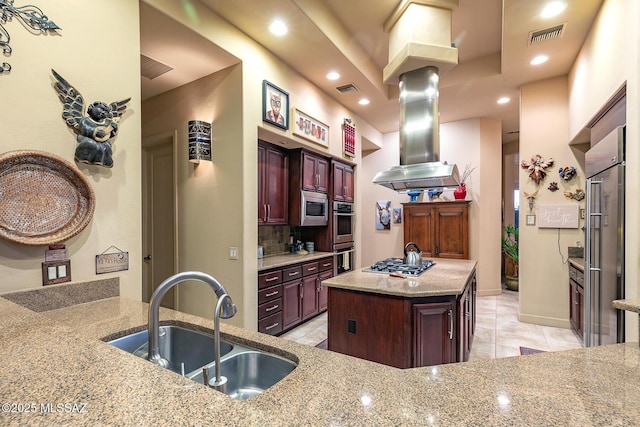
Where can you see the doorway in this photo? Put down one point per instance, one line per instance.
(159, 215)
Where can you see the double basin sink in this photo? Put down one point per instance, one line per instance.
(249, 371)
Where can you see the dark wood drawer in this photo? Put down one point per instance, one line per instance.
(271, 325)
(269, 308)
(292, 273)
(576, 275)
(325, 264)
(269, 279)
(268, 294)
(310, 268)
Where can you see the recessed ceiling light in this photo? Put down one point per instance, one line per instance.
(540, 59)
(278, 28)
(364, 101)
(552, 9)
(504, 100)
(333, 75)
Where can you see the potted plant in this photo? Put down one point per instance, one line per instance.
(510, 250)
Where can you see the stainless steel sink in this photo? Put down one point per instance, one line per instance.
(186, 350)
(249, 371)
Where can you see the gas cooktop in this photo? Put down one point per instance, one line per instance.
(396, 265)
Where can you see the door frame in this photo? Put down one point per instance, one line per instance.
(170, 137)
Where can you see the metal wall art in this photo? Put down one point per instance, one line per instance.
(95, 129)
(577, 195)
(567, 173)
(536, 167)
(30, 16)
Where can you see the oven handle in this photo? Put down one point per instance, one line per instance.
(343, 214)
(342, 252)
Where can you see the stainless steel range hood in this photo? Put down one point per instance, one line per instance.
(420, 46)
(420, 167)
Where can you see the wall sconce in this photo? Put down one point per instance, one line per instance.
(199, 141)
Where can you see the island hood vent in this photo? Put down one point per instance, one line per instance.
(420, 166)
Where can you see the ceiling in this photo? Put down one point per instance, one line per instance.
(492, 37)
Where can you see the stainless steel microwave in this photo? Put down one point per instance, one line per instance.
(315, 209)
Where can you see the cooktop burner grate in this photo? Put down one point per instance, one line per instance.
(396, 265)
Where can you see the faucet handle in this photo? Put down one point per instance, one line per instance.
(205, 375)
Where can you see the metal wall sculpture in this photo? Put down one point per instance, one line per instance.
(96, 129)
(30, 16)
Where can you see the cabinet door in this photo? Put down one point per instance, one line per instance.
(434, 333)
(343, 185)
(291, 310)
(262, 203)
(309, 296)
(452, 224)
(580, 310)
(277, 190)
(309, 174)
(322, 170)
(463, 343)
(419, 228)
(323, 290)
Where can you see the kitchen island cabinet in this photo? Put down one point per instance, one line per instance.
(112, 387)
(404, 322)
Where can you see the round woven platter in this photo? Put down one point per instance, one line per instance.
(44, 199)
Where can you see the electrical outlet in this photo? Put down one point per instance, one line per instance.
(351, 326)
(233, 252)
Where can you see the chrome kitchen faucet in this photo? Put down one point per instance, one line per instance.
(225, 308)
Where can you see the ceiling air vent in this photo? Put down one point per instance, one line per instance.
(546, 34)
(348, 88)
(150, 68)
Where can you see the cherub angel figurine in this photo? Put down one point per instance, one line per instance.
(95, 129)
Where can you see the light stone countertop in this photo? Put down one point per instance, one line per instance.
(57, 357)
(446, 277)
(283, 260)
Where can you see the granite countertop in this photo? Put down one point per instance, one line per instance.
(578, 263)
(56, 357)
(283, 260)
(446, 277)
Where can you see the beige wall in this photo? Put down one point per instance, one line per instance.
(609, 57)
(239, 193)
(102, 62)
(476, 142)
(544, 119)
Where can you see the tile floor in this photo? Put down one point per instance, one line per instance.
(498, 331)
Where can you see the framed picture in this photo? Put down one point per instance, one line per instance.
(531, 220)
(275, 105)
(383, 215)
(309, 128)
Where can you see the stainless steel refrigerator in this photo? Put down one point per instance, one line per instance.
(604, 248)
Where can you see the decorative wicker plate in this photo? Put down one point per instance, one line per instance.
(43, 198)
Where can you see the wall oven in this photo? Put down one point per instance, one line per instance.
(343, 222)
(343, 258)
(314, 210)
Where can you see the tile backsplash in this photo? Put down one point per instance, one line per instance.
(274, 239)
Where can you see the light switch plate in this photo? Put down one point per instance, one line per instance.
(233, 252)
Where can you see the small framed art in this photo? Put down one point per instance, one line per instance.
(275, 105)
(309, 128)
(531, 220)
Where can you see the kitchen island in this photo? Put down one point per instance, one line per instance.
(57, 357)
(407, 321)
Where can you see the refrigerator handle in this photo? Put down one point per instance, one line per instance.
(592, 188)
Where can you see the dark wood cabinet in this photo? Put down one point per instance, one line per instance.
(292, 309)
(273, 181)
(434, 334)
(576, 300)
(415, 331)
(440, 229)
(343, 182)
(294, 292)
(315, 173)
